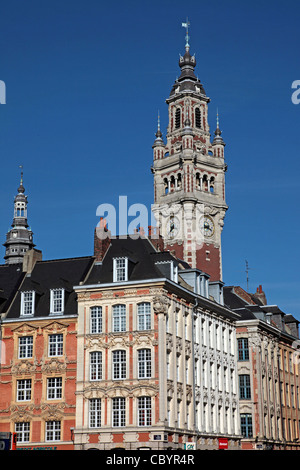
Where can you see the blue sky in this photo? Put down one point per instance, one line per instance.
(84, 82)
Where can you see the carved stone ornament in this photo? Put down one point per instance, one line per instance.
(54, 365)
(160, 305)
(24, 368)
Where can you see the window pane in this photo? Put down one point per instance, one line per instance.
(118, 417)
(119, 318)
(144, 316)
(96, 320)
(95, 413)
(144, 411)
(96, 365)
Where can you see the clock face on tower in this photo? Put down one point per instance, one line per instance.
(207, 226)
(172, 227)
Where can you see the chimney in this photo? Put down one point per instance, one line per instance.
(30, 258)
(260, 295)
(156, 238)
(102, 240)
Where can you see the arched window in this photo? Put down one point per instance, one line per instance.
(166, 185)
(144, 363)
(179, 183)
(205, 183)
(119, 364)
(119, 318)
(212, 185)
(144, 316)
(198, 118)
(198, 185)
(177, 118)
(96, 320)
(96, 365)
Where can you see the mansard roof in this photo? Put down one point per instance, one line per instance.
(11, 276)
(142, 257)
(53, 274)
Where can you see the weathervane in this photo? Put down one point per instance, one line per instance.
(186, 26)
(21, 167)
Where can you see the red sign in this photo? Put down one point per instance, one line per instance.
(223, 444)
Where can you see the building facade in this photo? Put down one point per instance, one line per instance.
(156, 360)
(39, 348)
(268, 372)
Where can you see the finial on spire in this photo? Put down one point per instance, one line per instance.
(21, 167)
(186, 26)
(218, 118)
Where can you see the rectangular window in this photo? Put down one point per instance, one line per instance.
(27, 303)
(119, 364)
(96, 320)
(144, 363)
(144, 411)
(96, 365)
(95, 413)
(118, 412)
(246, 425)
(54, 388)
(23, 432)
(245, 388)
(24, 390)
(120, 269)
(144, 316)
(25, 347)
(53, 429)
(243, 349)
(56, 345)
(57, 300)
(119, 318)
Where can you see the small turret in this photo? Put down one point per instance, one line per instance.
(19, 238)
(158, 145)
(218, 143)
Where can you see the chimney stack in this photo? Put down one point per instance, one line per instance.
(102, 239)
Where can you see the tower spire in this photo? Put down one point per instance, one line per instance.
(19, 238)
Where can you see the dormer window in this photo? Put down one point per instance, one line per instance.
(120, 269)
(57, 297)
(27, 303)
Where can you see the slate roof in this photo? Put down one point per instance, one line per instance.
(11, 276)
(142, 259)
(46, 275)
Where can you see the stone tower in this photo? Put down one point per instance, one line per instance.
(19, 238)
(189, 175)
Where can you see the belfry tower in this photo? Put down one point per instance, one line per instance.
(19, 238)
(189, 175)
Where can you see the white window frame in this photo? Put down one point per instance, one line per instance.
(144, 411)
(53, 431)
(96, 320)
(120, 273)
(24, 389)
(119, 318)
(119, 364)
(55, 344)
(95, 366)
(23, 431)
(24, 302)
(25, 350)
(53, 300)
(144, 363)
(54, 388)
(144, 316)
(118, 412)
(95, 413)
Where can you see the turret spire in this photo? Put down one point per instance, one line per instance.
(19, 238)
(186, 26)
